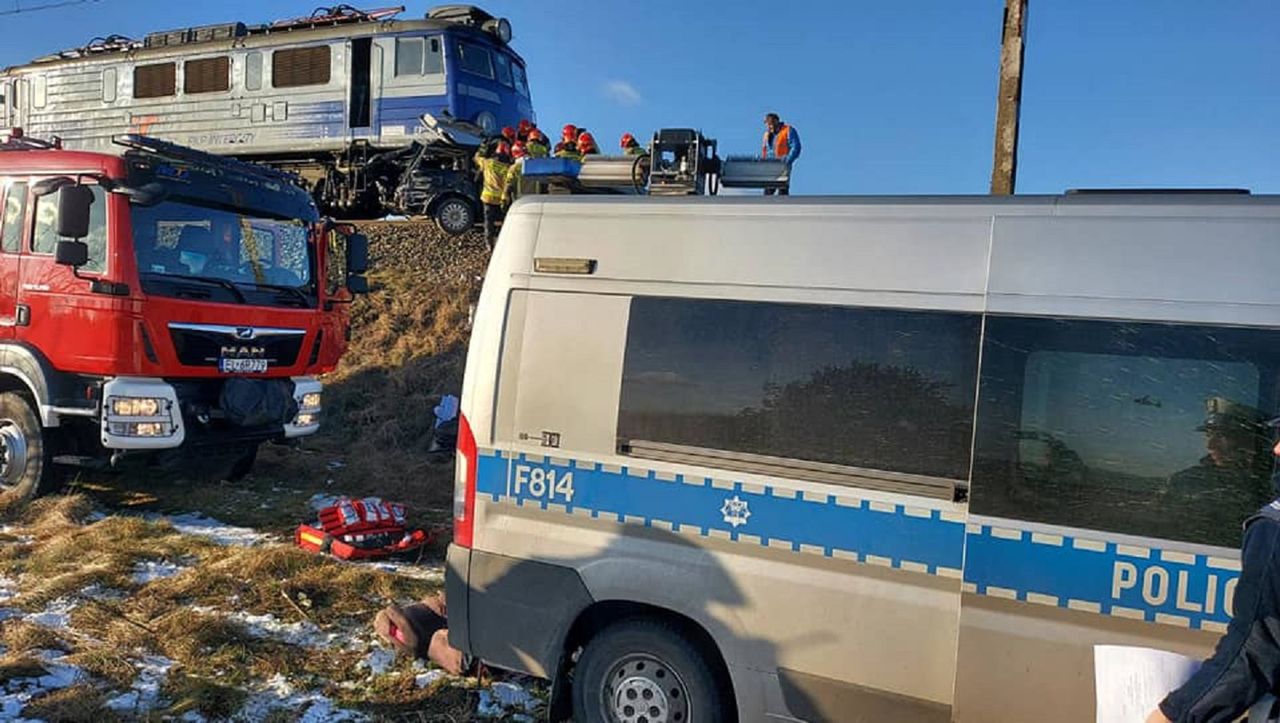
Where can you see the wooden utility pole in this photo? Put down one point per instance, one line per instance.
(1004, 169)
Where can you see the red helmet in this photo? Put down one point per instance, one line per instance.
(525, 125)
(627, 140)
(537, 135)
(569, 131)
(517, 150)
(504, 149)
(586, 142)
(509, 133)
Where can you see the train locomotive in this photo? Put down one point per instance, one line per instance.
(337, 97)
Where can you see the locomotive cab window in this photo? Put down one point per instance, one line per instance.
(418, 56)
(504, 69)
(521, 80)
(475, 59)
(206, 75)
(155, 81)
(298, 67)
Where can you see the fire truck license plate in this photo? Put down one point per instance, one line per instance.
(242, 366)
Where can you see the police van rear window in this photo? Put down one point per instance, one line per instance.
(877, 389)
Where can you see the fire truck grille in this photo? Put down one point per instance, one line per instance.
(209, 345)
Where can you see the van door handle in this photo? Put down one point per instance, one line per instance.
(24, 315)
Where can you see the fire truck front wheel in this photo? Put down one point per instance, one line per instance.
(26, 467)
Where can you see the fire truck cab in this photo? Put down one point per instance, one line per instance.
(161, 303)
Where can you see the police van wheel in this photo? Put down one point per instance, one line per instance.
(454, 216)
(25, 465)
(645, 671)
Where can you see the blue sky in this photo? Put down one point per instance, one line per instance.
(889, 97)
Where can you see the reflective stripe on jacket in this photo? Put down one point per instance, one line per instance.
(495, 179)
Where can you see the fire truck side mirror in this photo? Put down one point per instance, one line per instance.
(72, 253)
(74, 203)
(357, 254)
(357, 284)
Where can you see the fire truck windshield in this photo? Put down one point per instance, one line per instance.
(192, 251)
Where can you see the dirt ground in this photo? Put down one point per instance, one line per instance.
(132, 597)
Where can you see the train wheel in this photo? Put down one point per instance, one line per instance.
(454, 215)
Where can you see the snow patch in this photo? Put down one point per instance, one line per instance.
(57, 614)
(429, 678)
(16, 693)
(8, 589)
(145, 691)
(217, 531)
(379, 661)
(503, 699)
(426, 573)
(280, 695)
(303, 634)
(151, 570)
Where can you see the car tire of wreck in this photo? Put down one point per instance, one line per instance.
(26, 467)
(645, 670)
(454, 215)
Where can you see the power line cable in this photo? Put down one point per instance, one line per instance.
(18, 8)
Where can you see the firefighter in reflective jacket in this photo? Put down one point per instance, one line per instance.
(494, 166)
(537, 146)
(516, 185)
(780, 141)
(631, 147)
(1245, 665)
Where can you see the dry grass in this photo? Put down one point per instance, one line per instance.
(209, 698)
(20, 636)
(69, 557)
(20, 666)
(77, 704)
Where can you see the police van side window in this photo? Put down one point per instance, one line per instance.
(15, 211)
(45, 240)
(876, 389)
(1139, 428)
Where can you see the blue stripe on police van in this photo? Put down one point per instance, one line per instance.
(886, 534)
(1093, 575)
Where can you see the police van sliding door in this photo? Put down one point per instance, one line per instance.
(1114, 461)
(822, 452)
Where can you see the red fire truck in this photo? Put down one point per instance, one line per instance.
(163, 304)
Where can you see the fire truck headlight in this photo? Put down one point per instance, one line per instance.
(138, 407)
(306, 419)
(310, 402)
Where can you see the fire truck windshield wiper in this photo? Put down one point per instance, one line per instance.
(286, 289)
(224, 283)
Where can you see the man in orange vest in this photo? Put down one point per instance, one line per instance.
(780, 141)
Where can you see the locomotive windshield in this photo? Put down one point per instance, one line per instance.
(192, 251)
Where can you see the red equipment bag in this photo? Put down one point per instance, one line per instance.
(360, 529)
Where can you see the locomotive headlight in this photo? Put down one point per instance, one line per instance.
(504, 30)
(136, 406)
(310, 401)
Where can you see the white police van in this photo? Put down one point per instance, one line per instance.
(860, 459)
